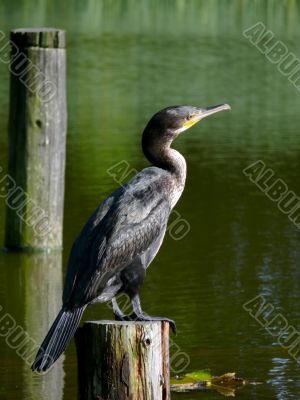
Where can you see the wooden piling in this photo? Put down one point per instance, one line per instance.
(123, 360)
(37, 140)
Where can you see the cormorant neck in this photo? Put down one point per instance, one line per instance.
(157, 149)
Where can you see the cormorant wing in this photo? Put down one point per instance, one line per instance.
(123, 227)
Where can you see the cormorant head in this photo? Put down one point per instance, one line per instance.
(167, 124)
(171, 121)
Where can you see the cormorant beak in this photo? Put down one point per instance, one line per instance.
(204, 112)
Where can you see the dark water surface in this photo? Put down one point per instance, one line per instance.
(126, 60)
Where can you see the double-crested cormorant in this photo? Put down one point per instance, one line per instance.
(121, 238)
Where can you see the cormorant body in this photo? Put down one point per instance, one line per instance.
(121, 238)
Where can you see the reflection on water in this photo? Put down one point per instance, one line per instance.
(31, 295)
(126, 60)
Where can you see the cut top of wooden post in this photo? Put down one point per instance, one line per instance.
(38, 37)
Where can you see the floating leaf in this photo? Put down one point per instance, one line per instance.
(202, 375)
(228, 379)
(192, 377)
(225, 384)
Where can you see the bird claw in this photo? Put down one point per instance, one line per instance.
(145, 317)
(119, 317)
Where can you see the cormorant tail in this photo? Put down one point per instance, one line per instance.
(57, 339)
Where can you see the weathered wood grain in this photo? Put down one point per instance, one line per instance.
(123, 360)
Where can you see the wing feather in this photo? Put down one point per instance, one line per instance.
(123, 227)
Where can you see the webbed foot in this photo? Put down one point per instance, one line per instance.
(146, 317)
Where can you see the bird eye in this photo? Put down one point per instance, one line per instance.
(189, 117)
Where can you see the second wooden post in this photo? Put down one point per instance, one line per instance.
(33, 186)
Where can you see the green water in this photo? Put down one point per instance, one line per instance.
(126, 60)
